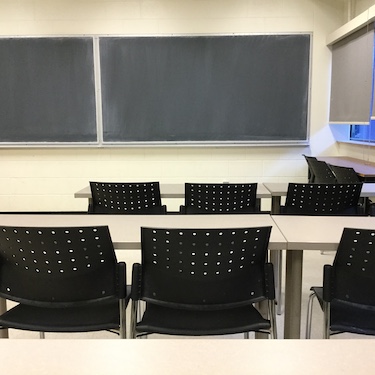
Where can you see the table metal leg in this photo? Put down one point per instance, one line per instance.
(3, 308)
(293, 294)
(276, 258)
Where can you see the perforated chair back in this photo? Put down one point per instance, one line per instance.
(345, 175)
(322, 172)
(126, 198)
(204, 268)
(58, 266)
(347, 297)
(323, 199)
(220, 198)
(353, 270)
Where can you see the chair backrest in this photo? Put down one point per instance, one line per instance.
(309, 160)
(126, 198)
(322, 172)
(57, 266)
(322, 199)
(204, 268)
(353, 276)
(344, 175)
(220, 198)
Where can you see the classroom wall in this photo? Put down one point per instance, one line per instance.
(46, 179)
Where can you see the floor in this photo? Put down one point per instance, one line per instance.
(312, 275)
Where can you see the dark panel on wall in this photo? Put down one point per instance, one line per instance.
(47, 90)
(205, 88)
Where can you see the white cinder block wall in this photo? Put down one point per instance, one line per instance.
(46, 178)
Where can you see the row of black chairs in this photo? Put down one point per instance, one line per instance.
(178, 271)
(193, 281)
(144, 198)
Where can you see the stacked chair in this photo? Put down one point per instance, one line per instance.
(319, 171)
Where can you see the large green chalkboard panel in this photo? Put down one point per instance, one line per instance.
(47, 90)
(205, 88)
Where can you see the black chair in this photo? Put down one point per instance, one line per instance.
(126, 198)
(344, 175)
(203, 282)
(347, 296)
(320, 199)
(322, 172)
(220, 199)
(323, 199)
(64, 280)
(310, 160)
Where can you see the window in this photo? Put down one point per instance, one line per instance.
(363, 133)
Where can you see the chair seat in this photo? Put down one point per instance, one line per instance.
(346, 317)
(165, 320)
(72, 319)
(352, 318)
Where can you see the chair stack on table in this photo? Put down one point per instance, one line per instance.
(65, 279)
(319, 171)
(203, 282)
(344, 175)
(126, 198)
(347, 297)
(204, 198)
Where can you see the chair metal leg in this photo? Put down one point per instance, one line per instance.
(133, 319)
(276, 258)
(272, 317)
(327, 320)
(122, 319)
(309, 315)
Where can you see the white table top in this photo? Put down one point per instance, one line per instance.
(173, 191)
(187, 357)
(318, 232)
(281, 188)
(125, 229)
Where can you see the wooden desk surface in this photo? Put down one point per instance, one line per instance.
(125, 229)
(365, 169)
(318, 232)
(172, 191)
(187, 357)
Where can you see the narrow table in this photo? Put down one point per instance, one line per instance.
(125, 229)
(318, 233)
(186, 357)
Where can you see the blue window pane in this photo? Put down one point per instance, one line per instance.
(363, 133)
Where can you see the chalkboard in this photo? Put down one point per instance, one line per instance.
(205, 88)
(47, 90)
